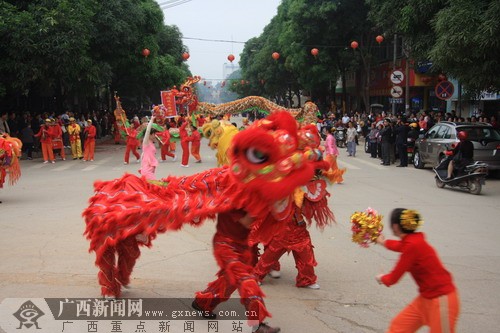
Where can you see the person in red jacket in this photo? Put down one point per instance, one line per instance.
(132, 144)
(45, 135)
(91, 132)
(234, 257)
(57, 139)
(164, 138)
(195, 143)
(185, 138)
(438, 304)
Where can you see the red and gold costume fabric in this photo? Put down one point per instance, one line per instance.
(10, 151)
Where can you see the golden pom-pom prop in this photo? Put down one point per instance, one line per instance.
(366, 226)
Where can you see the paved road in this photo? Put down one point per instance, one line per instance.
(43, 252)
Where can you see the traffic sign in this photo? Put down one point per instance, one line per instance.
(397, 77)
(444, 90)
(396, 91)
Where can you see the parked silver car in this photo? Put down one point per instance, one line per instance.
(430, 148)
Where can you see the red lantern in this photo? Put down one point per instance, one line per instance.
(354, 45)
(314, 52)
(145, 52)
(276, 55)
(242, 82)
(230, 57)
(379, 39)
(185, 56)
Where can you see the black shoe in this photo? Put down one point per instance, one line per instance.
(400, 166)
(448, 178)
(204, 313)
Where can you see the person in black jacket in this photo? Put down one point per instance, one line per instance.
(401, 130)
(386, 138)
(463, 154)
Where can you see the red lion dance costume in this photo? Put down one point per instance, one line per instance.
(10, 151)
(266, 167)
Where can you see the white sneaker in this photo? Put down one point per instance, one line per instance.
(175, 158)
(125, 163)
(53, 162)
(91, 160)
(45, 162)
(162, 161)
(138, 161)
(275, 274)
(185, 166)
(313, 286)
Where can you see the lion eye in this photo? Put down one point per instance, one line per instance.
(255, 156)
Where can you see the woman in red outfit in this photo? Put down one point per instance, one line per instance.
(438, 304)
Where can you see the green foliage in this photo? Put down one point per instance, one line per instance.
(71, 49)
(460, 37)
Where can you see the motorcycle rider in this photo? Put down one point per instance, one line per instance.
(463, 154)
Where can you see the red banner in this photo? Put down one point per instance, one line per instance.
(168, 101)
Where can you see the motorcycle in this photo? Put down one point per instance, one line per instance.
(340, 136)
(470, 178)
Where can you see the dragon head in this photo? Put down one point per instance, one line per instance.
(267, 158)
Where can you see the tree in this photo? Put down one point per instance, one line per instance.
(72, 52)
(459, 37)
(467, 46)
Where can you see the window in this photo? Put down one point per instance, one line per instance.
(442, 132)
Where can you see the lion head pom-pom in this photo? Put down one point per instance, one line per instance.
(366, 227)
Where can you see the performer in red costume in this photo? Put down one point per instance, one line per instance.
(195, 143)
(438, 304)
(57, 139)
(234, 257)
(164, 138)
(132, 144)
(310, 202)
(10, 152)
(185, 139)
(91, 131)
(45, 135)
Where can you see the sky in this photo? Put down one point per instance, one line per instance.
(235, 20)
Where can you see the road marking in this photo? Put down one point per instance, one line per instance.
(90, 167)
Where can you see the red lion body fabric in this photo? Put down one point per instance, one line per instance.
(266, 167)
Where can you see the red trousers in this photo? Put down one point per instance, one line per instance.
(195, 151)
(132, 149)
(440, 314)
(234, 259)
(47, 152)
(185, 152)
(165, 151)
(295, 238)
(88, 154)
